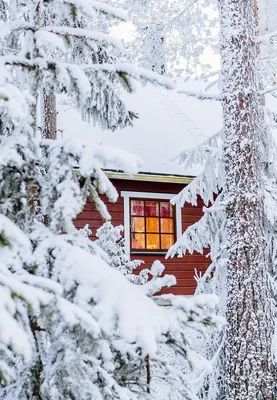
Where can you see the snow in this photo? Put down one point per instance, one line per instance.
(12, 100)
(14, 287)
(168, 123)
(13, 234)
(157, 268)
(109, 291)
(86, 34)
(105, 8)
(50, 40)
(64, 305)
(138, 73)
(157, 282)
(81, 80)
(87, 6)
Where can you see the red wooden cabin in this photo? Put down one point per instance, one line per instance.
(152, 224)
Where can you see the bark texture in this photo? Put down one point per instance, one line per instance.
(49, 116)
(249, 374)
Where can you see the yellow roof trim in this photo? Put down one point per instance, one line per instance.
(150, 177)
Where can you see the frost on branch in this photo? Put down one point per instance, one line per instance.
(92, 339)
(23, 297)
(71, 53)
(112, 242)
(81, 177)
(157, 282)
(210, 181)
(208, 232)
(194, 319)
(171, 36)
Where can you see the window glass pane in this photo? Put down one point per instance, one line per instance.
(152, 242)
(167, 241)
(137, 224)
(166, 209)
(152, 208)
(152, 224)
(137, 207)
(137, 241)
(167, 225)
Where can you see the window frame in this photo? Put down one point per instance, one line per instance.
(146, 232)
(177, 218)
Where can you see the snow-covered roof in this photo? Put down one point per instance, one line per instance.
(168, 124)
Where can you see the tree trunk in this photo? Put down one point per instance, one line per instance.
(49, 116)
(148, 374)
(249, 374)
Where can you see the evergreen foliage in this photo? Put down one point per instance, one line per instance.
(112, 242)
(237, 186)
(63, 302)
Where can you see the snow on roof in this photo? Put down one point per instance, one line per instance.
(168, 124)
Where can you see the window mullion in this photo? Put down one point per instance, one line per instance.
(160, 235)
(145, 229)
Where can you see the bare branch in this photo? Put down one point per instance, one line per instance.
(267, 37)
(201, 96)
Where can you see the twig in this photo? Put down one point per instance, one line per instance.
(201, 96)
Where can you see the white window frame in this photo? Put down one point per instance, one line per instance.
(147, 195)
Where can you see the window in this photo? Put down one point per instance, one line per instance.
(152, 225)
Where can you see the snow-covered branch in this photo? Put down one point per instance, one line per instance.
(201, 96)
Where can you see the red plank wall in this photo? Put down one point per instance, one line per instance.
(183, 268)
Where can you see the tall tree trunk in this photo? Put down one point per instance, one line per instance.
(250, 374)
(49, 116)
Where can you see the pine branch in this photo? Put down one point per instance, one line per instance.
(84, 34)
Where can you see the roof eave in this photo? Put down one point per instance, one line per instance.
(150, 177)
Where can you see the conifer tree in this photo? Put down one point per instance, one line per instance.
(112, 242)
(239, 226)
(171, 36)
(248, 303)
(76, 301)
(23, 297)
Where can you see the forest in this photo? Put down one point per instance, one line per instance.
(81, 319)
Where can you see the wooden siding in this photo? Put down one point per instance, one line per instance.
(182, 267)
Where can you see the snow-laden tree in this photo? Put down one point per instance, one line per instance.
(239, 167)
(56, 333)
(74, 350)
(111, 241)
(24, 296)
(172, 35)
(247, 68)
(44, 185)
(159, 374)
